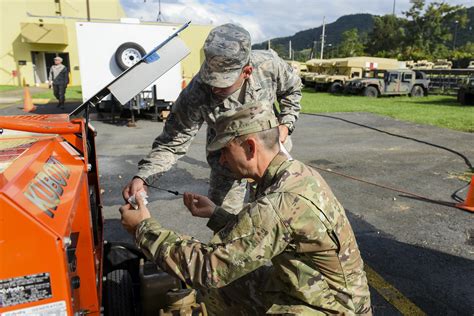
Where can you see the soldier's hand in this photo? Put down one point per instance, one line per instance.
(132, 217)
(283, 132)
(198, 205)
(133, 187)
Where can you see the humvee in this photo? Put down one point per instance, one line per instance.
(390, 82)
(345, 69)
(466, 92)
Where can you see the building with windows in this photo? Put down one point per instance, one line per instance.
(33, 32)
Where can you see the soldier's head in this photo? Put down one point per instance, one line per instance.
(227, 56)
(57, 60)
(248, 140)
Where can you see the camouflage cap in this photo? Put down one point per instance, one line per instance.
(254, 118)
(227, 51)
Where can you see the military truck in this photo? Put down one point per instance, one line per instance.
(390, 82)
(345, 69)
(466, 92)
(313, 68)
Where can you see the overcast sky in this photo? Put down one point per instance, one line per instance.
(264, 19)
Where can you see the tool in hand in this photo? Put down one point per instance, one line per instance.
(166, 190)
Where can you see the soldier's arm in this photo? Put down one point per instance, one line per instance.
(220, 218)
(288, 93)
(241, 247)
(180, 128)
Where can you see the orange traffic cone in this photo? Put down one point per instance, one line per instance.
(28, 105)
(468, 203)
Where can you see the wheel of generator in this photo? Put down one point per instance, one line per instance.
(118, 294)
(371, 92)
(336, 87)
(128, 54)
(417, 92)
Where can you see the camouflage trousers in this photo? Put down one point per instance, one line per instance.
(225, 190)
(246, 296)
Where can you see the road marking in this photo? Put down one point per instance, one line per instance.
(391, 294)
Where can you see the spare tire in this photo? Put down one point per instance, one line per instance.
(128, 54)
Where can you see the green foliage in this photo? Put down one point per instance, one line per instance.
(351, 44)
(72, 93)
(439, 110)
(9, 88)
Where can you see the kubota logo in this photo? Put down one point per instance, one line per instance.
(48, 186)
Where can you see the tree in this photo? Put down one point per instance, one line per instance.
(351, 44)
(387, 37)
(429, 31)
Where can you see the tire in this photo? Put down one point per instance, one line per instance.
(371, 92)
(118, 294)
(336, 87)
(128, 54)
(417, 92)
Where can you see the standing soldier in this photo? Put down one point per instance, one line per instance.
(59, 79)
(230, 76)
(295, 223)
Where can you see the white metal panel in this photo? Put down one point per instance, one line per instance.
(97, 44)
(133, 81)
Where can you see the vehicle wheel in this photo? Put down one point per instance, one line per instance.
(371, 92)
(118, 294)
(336, 87)
(128, 54)
(417, 92)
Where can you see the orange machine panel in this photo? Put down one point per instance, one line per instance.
(50, 240)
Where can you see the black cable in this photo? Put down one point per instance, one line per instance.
(466, 160)
(166, 190)
(454, 195)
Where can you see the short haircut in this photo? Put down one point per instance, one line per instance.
(58, 58)
(269, 138)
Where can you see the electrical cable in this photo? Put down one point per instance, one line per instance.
(454, 195)
(166, 190)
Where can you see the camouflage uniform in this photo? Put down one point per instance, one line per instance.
(295, 223)
(272, 80)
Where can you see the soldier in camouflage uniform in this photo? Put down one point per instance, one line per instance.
(295, 223)
(231, 75)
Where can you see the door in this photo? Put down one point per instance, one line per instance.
(392, 83)
(406, 84)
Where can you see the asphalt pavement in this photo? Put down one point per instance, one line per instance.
(423, 249)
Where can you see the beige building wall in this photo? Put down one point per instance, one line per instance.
(32, 32)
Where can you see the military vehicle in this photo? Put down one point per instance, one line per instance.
(390, 82)
(313, 68)
(442, 64)
(466, 92)
(345, 69)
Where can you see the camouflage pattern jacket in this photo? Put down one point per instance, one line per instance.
(297, 224)
(272, 80)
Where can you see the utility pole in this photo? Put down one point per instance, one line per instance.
(393, 11)
(322, 37)
(159, 18)
(88, 11)
(455, 33)
(289, 50)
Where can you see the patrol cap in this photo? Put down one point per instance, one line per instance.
(254, 118)
(227, 51)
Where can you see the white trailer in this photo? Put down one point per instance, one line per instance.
(107, 49)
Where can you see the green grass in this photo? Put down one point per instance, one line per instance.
(72, 93)
(437, 110)
(9, 88)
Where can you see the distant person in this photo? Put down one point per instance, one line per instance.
(59, 79)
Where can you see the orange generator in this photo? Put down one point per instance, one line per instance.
(51, 224)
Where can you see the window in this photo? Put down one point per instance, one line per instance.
(393, 77)
(407, 77)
